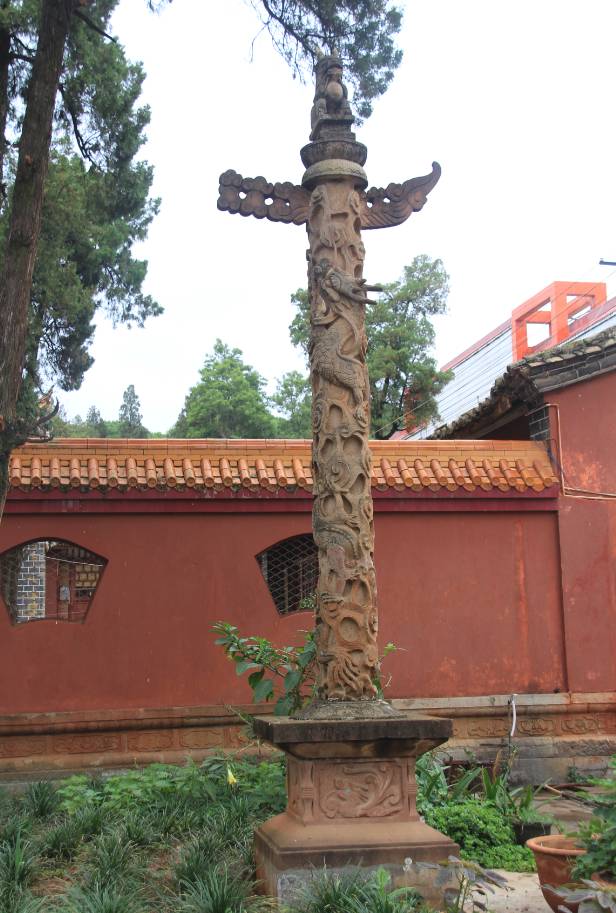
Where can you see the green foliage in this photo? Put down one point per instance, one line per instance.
(592, 898)
(474, 883)
(96, 203)
(435, 789)
(198, 856)
(130, 415)
(293, 399)
(284, 673)
(102, 899)
(40, 800)
(483, 833)
(138, 789)
(228, 402)
(356, 893)
(598, 836)
(220, 890)
(18, 862)
(403, 375)
(362, 32)
(62, 841)
(111, 860)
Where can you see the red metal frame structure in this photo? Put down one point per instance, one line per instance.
(556, 306)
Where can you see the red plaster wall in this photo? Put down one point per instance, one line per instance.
(473, 599)
(588, 531)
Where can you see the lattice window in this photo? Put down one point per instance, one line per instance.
(290, 569)
(49, 579)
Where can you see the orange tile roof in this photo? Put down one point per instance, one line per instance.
(272, 465)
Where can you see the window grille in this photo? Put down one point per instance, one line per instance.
(49, 579)
(290, 569)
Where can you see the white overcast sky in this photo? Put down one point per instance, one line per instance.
(516, 101)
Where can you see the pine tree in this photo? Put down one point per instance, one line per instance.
(130, 415)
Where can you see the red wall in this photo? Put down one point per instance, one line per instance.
(588, 530)
(473, 598)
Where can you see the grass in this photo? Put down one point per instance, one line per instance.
(171, 840)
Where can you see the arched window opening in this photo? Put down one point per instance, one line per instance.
(290, 569)
(49, 579)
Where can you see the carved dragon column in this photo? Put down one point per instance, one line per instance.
(334, 204)
(346, 613)
(350, 756)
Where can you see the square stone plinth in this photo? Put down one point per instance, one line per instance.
(350, 802)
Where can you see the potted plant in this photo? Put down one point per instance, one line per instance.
(524, 815)
(555, 856)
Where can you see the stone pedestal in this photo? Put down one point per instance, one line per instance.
(351, 802)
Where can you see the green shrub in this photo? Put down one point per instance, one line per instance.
(483, 834)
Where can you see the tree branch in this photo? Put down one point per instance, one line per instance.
(81, 143)
(93, 25)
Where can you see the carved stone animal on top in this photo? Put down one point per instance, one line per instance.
(331, 98)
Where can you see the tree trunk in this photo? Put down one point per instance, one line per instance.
(26, 213)
(5, 48)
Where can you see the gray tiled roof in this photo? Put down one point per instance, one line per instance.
(524, 382)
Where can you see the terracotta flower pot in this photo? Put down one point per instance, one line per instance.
(555, 856)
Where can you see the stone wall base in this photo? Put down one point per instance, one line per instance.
(554, 732)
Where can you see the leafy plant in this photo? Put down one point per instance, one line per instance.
(286, 673)
(376, 896)
(523, 805)
(434, 786)
(598, 836)
(483, 834)
(329, 892)
(474, 883)
(592, 898)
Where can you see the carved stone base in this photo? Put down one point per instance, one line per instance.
(351, 802)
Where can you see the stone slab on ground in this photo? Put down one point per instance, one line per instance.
(524, 895)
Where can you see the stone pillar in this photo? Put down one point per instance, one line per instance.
(351, 756)
(30, 588)
(346, 611)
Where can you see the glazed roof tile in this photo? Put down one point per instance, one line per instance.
(274, 465)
